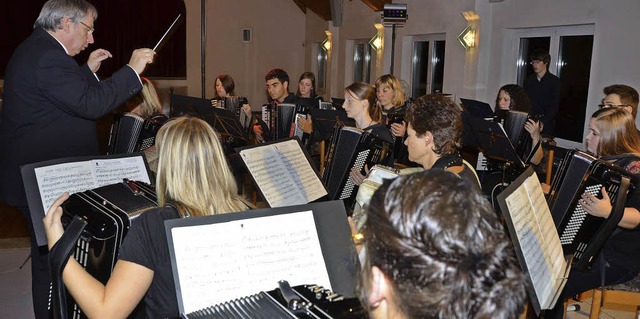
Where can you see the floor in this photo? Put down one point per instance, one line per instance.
(15, 274)
(15, 269)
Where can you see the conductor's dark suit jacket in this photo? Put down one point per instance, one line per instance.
(50, 107)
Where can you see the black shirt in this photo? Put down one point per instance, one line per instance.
(146, 245)
(545, 98)
(623, 247)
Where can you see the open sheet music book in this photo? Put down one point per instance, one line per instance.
(283, 173)
(46, 181)
(535, 238)
(227, 256)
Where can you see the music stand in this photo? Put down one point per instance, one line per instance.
(181, 105)
(494, 142)
(226, 124)
(337, 102)
(325, 120)
(477, 108)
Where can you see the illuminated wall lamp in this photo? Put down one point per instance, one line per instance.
(468, 37)
(378, 39)
(326, 44)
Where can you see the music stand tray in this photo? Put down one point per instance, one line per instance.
(494, 142)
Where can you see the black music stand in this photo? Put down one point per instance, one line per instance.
(181, 105)
(477, 108)
(337, 102)
(325, 120)
(226, 124)
(473, 109)
(494, 142)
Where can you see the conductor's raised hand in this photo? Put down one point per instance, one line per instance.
(140, 58)
(96, 57)
(52, 224)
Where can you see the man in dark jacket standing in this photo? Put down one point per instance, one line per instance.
(544, 90)
(51, 104)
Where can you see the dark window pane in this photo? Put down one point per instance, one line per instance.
(527, 46)
(420, 65)
(574, 72)
(438, 67)
(322, 66)
(361, 62)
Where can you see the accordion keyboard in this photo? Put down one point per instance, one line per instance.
(576, 220)
(361, 159)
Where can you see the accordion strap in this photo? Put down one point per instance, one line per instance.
(58, 258)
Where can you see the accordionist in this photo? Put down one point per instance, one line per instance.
(612, 137)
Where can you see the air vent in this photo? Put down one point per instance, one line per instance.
(247, 35)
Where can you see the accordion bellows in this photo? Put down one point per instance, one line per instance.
(131, 133)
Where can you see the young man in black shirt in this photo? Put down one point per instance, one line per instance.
(543, 89)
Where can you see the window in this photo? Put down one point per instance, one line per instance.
(570, 49)
(361, 61)
(321, 71)
(427, 64)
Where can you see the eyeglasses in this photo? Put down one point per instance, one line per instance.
(90, 29)
(604, 106)
(535, 62)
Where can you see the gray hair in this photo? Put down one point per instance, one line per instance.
(54, 11)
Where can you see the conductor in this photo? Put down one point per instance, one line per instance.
(51, 105)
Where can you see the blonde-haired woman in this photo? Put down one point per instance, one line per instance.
(612, 137)
(193, 180)
(360, 105)
(391, 98)
(146, 104)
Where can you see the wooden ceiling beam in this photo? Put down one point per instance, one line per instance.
(376, 5)
(301, 5)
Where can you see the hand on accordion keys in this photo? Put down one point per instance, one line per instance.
(595, 206)
(399, 129)
(534, 128)
(357, 177)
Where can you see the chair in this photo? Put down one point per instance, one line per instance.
(627, 293)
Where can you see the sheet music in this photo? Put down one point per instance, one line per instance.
(283, 173)
(223, 261)
(538, 240)
(76, 177)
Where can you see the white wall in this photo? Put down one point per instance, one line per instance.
(278, 42)
(282, 30)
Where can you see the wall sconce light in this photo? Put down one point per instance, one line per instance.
(468, 36)
(326, 44)
(377, 42)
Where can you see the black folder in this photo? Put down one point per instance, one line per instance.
(332, 231)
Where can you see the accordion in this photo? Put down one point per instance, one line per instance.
(131, 133)
(350, 148)
(513, 124)
(108, 211)
(282, 119)
(305, 301)
(582, 234)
